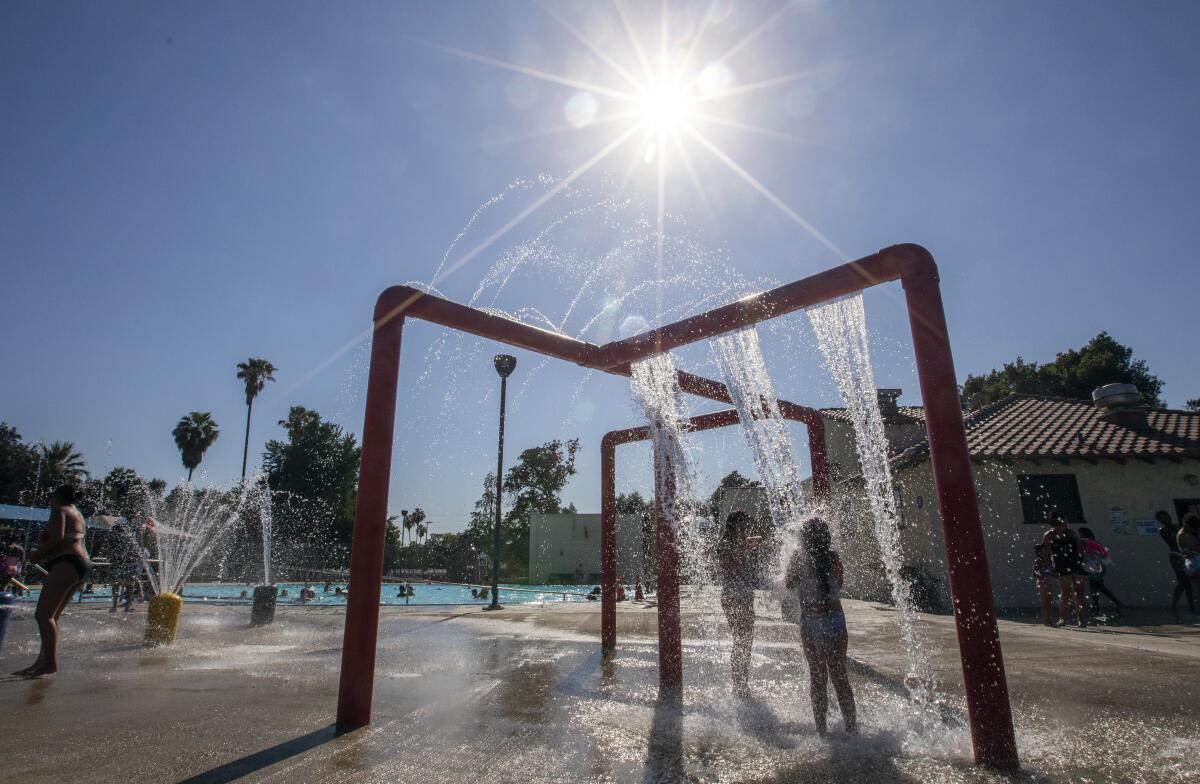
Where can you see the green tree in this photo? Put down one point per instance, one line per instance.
(194, 434)
(483, 516)
(732, 480)
(1193, 404)
(61, 465)
(534, 485)
(255, 373)
(123, 492)
(410, 520)
(1072, 374)
(314, 473)
(18, 467)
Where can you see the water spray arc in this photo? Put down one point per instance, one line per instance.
(984, 679)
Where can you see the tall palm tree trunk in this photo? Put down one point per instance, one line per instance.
(190, 470)
(246, 445)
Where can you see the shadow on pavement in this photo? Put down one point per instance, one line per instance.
(664, 756)
(252, 763)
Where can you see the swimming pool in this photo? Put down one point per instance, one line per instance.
(422, 594)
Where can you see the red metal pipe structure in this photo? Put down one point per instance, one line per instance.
(984, 681)
(670, 636)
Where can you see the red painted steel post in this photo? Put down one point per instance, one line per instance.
(608, 543)
(670, 638)
(970, 586)
(370, 522)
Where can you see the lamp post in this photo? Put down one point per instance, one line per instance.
(505, 365)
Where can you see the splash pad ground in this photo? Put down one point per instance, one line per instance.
(522, 695)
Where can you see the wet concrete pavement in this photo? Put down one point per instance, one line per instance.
(523, 695)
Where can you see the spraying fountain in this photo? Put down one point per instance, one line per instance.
(262, 608)
(184, 529)
(759, 411)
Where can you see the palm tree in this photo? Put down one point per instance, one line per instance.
(194, 434)
(255, 373)
(422, 529)
(412, 520)
(61, 464)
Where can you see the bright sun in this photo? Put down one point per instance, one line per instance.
(664, 106)
(667, 105)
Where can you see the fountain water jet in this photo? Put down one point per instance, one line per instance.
(841, 330)
(185, 528)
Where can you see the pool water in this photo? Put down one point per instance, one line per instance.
(422, 594)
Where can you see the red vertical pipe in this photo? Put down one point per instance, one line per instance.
(608, 543)
(370, 522)
(970, 586)
(670, 639)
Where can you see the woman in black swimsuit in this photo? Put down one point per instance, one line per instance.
(66, 563)
(1068, 567)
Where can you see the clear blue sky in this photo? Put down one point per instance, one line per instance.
(184, 185)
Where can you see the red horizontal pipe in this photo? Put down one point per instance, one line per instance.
(406, 301)
(888, 264)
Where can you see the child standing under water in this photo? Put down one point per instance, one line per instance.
(814, 580)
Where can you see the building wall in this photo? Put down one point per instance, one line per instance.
(569, 544)
(1115, 498)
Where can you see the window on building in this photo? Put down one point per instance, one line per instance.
(1054, 494)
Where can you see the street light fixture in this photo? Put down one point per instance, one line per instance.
(505, 365)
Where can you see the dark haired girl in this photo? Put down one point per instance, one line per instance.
(1094, 556)
(1068, 566)
(61, 547)
(739, 577)
(814, 578)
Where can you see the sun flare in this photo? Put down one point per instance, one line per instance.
(666, 98)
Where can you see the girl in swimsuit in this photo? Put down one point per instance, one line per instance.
(61, 547)
(1068, 567)
(739, 577)
(814, 578)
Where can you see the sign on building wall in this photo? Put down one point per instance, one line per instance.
(1119, 521)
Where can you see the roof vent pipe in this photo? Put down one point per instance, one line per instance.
(889, 407)
(1120, 404)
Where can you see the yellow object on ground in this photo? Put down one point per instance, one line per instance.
(162, 619)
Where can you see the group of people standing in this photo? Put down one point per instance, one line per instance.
(1071, 561)
(1076, 563)
(812, 584)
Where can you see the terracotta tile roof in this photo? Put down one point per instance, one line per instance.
(1037, 426)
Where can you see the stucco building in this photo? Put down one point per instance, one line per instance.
(565, 548)
(1109, 468)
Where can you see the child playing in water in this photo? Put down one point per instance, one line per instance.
(814, 582)
(1043, 576)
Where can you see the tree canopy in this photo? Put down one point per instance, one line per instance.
(18, 464)
(533, 485)
(314, 478)
(194, 433)
(733, 479)
(1074, 373)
